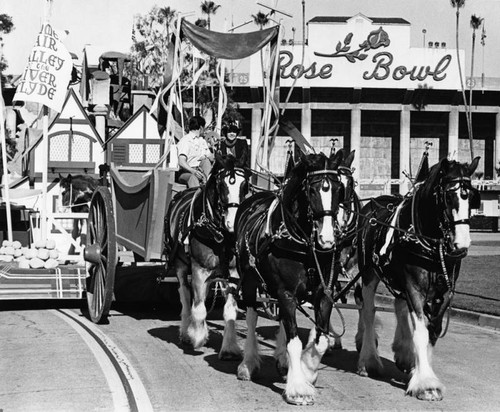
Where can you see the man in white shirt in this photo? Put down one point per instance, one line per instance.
(195, 157)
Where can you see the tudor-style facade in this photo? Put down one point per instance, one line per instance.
(137, 143)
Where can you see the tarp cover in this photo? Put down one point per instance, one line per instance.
(227, 45)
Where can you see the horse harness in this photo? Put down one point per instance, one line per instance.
(290, 240)
(425, 248)
(207, 227)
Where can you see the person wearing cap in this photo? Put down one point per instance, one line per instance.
(232, 145)
(195, 157)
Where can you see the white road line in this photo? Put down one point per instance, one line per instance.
(126, 387)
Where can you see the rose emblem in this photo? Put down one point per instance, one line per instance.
(376, 39)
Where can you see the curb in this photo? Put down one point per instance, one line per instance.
(461, 315)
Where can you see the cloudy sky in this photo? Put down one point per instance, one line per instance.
(108, 23)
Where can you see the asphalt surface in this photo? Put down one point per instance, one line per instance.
(47, 366)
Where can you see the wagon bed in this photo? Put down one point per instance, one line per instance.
(140, 204)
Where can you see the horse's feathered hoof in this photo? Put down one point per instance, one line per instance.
(430, 395)
(299, 400)
(363, 372)
(244, 373)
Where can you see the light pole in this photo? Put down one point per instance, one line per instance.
(423, 34)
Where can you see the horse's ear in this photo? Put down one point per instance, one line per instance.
(336, 158)
(423, 172)
(473, 166)
(350, 158)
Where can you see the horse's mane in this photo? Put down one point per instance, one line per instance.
(438, 170)
(228, 162)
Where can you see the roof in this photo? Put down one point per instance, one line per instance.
(345, 19)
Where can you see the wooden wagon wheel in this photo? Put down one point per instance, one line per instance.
(100, 254)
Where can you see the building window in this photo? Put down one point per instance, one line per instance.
(74, 147)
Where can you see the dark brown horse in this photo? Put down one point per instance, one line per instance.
(200, 239)
(415, 244)
(286, 244)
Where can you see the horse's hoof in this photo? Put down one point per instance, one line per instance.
(230, 356)
(282, 371)
(430, 395)
(362, 372)
(244, 373)
(299, 400)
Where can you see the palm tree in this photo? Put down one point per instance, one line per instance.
(201, 23)
(458, 4)
(260, 19)
(475, 23)
(208, 8)
(165, 16)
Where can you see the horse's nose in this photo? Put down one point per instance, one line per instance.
(229, 220)
(326, 241)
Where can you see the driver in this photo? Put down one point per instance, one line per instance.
(195, 157)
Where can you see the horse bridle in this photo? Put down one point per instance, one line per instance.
(221, 175)
(465, 186)
(315, 216)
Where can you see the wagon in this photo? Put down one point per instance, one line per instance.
(129, 212)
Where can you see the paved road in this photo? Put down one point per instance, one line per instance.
(485, 243)
(46, 365)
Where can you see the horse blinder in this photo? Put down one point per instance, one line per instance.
(221, 175)
(326, 179)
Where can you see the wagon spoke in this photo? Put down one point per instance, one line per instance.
(92, 232)
(102, 234)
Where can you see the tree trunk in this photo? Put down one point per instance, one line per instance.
(471, 81)
(463, 87)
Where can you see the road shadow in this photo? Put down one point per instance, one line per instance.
(170, 334)
(40, 304)
(347, 361)
(267, 376)
(142, 310)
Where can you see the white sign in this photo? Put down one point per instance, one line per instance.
(373, 59)
(48, 72)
